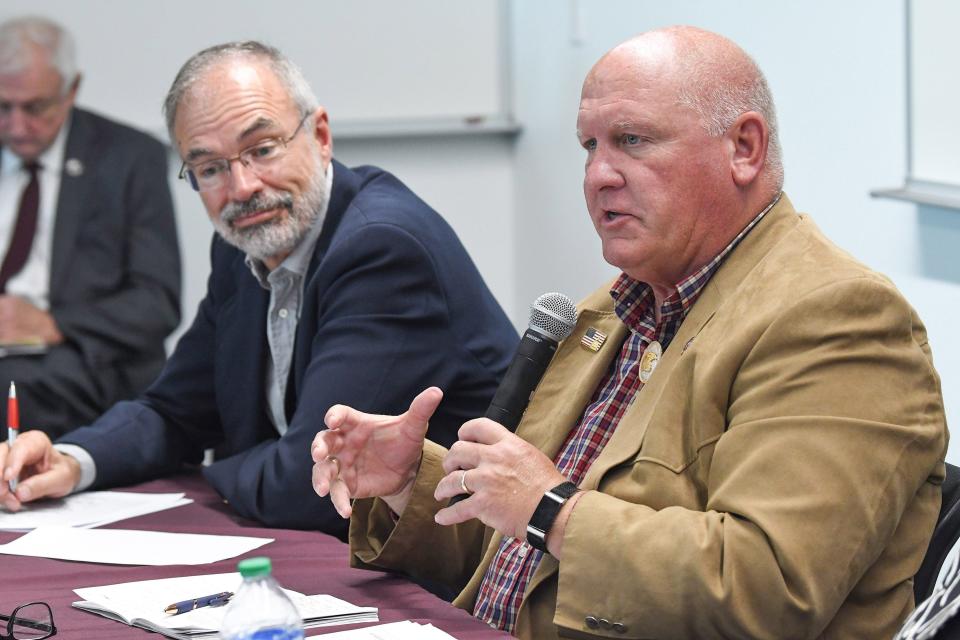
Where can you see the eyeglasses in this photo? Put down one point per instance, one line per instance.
(32, 621)
(213, 174)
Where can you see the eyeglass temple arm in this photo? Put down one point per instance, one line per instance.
(27, 622)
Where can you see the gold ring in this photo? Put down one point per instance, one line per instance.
(335, 461)
(463, 483)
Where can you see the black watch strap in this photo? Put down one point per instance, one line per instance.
(546, 513)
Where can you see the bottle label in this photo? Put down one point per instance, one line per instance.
(273, 633)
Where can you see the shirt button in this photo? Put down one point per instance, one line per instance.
(605, 623)
(619, 627)
(282, 313)
(522, 551)
(592, 622)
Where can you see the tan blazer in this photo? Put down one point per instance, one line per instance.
(777, 477)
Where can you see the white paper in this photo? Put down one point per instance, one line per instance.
(88, 509)
(142, 603)
(120, 546)
(143, 510)
(404, 630)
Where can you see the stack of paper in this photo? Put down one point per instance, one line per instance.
(141, 604)
(122, 546)
(89, 509)
(405, 630)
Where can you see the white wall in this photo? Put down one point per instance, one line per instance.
(375, 61)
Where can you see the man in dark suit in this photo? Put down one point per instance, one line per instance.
(328, 285)
(91, 269)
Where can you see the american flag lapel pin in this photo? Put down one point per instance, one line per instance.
(593, 339)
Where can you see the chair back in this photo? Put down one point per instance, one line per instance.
(944, 536)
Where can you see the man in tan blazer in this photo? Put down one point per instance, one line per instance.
(744, 436)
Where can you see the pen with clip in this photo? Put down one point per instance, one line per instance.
(13, 423)
(216, 600)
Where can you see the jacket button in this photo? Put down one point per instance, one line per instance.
(619, 627)
(592, 622)
(605, 623)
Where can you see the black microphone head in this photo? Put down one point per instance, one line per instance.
(553, 315)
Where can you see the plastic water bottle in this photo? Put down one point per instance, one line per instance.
(260, 610)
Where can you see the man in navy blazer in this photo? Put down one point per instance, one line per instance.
(329, 285)
(99, 281)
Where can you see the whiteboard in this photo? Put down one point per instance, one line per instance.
(933, 97)
(375, 64)
(934, 90)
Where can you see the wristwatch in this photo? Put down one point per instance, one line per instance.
(546, 513)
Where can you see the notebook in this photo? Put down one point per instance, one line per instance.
(141, 604)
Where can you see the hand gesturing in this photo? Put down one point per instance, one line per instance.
(361, 455)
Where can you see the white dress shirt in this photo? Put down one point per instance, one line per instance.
(33, 281)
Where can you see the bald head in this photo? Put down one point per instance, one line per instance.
(678, 129)
(709, 73)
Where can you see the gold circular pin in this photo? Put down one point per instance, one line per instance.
(649, 360)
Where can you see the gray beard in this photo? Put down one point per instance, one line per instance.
(275, 237)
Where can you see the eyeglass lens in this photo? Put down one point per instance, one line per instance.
(32, 621)
(258, 158)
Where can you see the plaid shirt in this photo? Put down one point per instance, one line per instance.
(501, 590)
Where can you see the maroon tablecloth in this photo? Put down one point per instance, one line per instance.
(306, 561)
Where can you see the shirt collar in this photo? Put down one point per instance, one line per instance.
(299, 259)
(634, 300)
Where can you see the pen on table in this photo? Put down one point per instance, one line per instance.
(13, 423)
(216, 600)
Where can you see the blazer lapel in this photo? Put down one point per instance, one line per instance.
(342, 191)
(75, 186)
(558, 403)
(244, 318)
(572, 377)
(625, 443)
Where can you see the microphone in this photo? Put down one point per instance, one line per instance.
(552, 318)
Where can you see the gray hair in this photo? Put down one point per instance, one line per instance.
(19, 35)
(193, 69)
(720, 103)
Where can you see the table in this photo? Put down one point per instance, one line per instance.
(306, 561)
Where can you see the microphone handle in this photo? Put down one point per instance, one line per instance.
(522, 377)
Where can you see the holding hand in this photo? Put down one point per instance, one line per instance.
(505, 475)
(20, 321)
(43, 471)
(361, 455)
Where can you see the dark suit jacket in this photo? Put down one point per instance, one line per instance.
(115, 272)
(392, 304)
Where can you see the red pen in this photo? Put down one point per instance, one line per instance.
(13, 423)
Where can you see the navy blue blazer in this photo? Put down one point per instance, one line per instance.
(392, 304)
